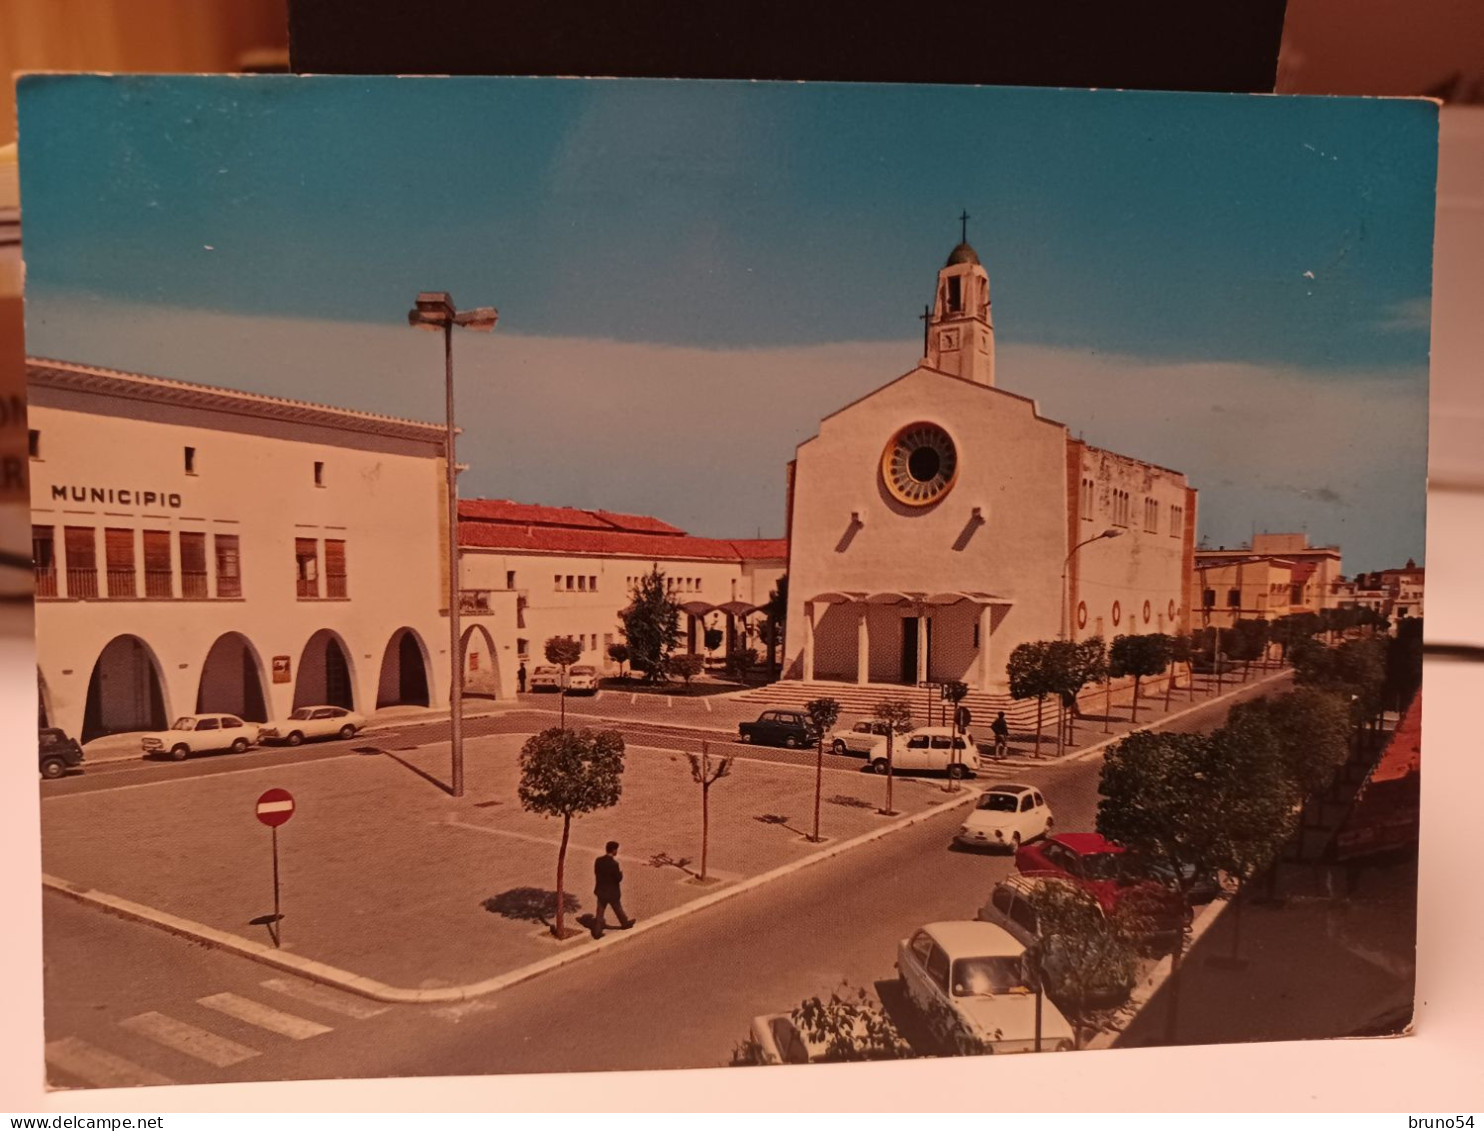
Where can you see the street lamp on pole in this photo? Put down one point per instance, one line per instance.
(1111, 532)
(434, 311)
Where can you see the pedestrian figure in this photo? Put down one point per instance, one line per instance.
(609, 890)
(520, 678)
(1001, 731)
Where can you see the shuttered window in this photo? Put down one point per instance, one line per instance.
(193, 565)
(118, 548)
(306, 567)
(228, 566)
(335, 576)
(157, 569)
(44, 557)
(82, 561)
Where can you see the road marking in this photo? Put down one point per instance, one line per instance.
(263, 1016)
(707, 704)
(99, 1068)
(599, 696)
(325, 998)
(188, 1039)
(667, 702)
(633, 699)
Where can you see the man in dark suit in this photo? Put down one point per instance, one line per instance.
(609, 889)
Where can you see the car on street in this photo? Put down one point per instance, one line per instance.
(1149, 909)
(58, 752)
(1091, 970)
(777, 728)
(970, 981)
(546, 678)
(200, 734)
(312, 722)
(582, 678)
(1007, 816)
(931, 750)
(864, 738)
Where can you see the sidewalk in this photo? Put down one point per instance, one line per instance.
(386, 877)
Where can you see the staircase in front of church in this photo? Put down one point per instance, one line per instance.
(859, 701)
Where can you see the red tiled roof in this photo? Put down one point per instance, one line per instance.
(640, 523)
(1403, 754)
(533, 514)
(567, 540)
(761, 549)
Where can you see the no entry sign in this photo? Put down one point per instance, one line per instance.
(275, 807)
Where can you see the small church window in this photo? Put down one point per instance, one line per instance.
(955, 294)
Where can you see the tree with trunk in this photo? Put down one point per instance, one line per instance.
(1074, 666)
(1080, 952)
(619, 654)
(1180, 654)
(563, 651)
(1312, 730)
(740, 661)
(651, 626)
(706, 771)
(1141, 657)
(1247, 642)
(712, 639)
(687, 666)
(776, 614)
(823, 715)
(566, 774)
(1032, 671)
(895, 715)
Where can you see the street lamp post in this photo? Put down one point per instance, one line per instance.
(434, 311)
(1111, 532)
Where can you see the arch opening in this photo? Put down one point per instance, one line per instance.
(481, 664)
(404, 672)
(125, 691)
(324, 673)
(232, 680)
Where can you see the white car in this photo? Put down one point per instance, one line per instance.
(546, 678)
(583, 678)
(1007, 816)
(200, 734)
(313, 722)
(865, 738)
(931, 750)
(969, 980)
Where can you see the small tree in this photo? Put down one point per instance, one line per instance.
(1249, 640)
(1139, 656)
(1077, 665)
(1079, 950)
(823, 714)
(776, 614)
(687, 666)
(896, 716)
(706, 771)
(565, 774)
(1032, 673)
(1179, 654)
(651, 626)
(851, 1026)
(1312, 731)
(740, 661)
(563, 651)
(619, 654)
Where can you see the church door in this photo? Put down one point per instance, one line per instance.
(909, 649)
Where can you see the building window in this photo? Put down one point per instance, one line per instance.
(81, 544)
(1234, 598)
(1297, 597)
(190, 461)
(44, 559)
(582, 583)
(306, 567)
(592, 583)
(1120, 508)
(607, 642)
(193, 565)
(955, 293)
(1087, 500)
(1208, 599)
(510, 579)
(33, 440)
(118, 548)
(158, 572)
(569, 582)
(228, 566)
(319, 473)
(1177, 521)
(335, 574)
(1151, 516)
(976, 634)
(556, 582)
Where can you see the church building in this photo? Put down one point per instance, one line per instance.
(939, 521)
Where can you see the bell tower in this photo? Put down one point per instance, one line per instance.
(960, 331)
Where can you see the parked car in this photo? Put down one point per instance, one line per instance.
(58, 752)
(1005, 817)
(970, 980)
(932, 750)
(1011, 905)
(200, 734)
(546, 678)
(864, 737)
(582, 678)
(777, 728)
(1152, 911)
(312, 722)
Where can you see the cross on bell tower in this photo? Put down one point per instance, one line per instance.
(960, 332)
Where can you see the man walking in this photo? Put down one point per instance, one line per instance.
(609, 889)
(520, 678)
(1001, 731)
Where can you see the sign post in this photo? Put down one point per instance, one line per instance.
(273, 809)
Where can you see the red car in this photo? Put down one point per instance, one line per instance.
(1153, 911)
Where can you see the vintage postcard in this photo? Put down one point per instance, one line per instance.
(569, 575)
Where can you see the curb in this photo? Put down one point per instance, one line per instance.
(380, 991)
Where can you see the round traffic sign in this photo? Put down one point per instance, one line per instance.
(275, 807)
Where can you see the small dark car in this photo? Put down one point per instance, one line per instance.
(777, 728)
(58, 752)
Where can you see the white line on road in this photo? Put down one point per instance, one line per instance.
(668, 703)
(199, 1043)
(707, 704)
(99, 1068)
(325, 998)
(633, 699)
(263, 1016)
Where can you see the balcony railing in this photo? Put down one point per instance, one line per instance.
(335, 586)
(157, 583)
(122, 583)
(82, 582)
(228, 585)
(193, 584)
(308, 588)
(46, 582)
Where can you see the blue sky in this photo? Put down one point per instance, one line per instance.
(694, 226)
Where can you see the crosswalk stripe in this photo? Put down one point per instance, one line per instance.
(325, 998)
(263, 1016)
(199, 1043)
(101, 1069)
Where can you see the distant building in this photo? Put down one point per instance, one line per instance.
(1390, 592)
(1275, 576)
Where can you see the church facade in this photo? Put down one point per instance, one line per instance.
(939, 521)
